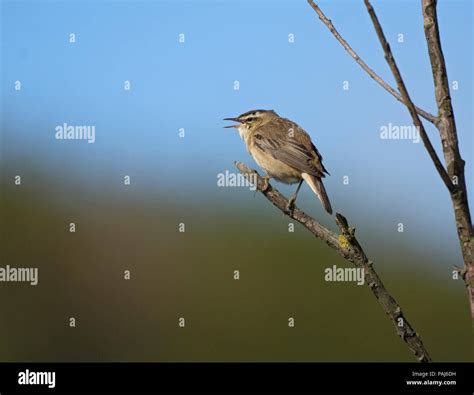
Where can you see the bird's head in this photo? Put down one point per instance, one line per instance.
(252, 119)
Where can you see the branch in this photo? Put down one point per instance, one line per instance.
(348, 247)
(449, 142)
(406, 99)
(429, 117)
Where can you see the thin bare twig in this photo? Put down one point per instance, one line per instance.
(429, 117)
(449, 142)
(348, 247)
(406, 99)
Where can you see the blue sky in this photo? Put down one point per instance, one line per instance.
(191, 85)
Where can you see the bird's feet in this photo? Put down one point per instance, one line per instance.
(266, 184)
(290, 206)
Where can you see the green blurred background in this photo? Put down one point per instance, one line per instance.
(190, 275)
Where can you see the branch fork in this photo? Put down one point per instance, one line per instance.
(453, 168)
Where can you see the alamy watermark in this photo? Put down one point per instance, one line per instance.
(230, 179)
(37, 378)
(75, 132)
(346, 274)
(400, 132)
(19, 274)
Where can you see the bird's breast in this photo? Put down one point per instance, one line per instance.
(275, 168)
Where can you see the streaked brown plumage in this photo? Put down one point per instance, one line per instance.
(284, 150)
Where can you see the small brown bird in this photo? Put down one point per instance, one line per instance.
(284, 150)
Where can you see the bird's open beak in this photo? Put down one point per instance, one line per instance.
(233, 119)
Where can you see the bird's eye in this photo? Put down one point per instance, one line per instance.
(249, 119)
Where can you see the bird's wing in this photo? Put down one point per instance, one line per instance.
(294, 149)
(319, 159)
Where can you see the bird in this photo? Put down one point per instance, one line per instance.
(284, 151)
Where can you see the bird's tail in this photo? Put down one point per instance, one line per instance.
(317, 186)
